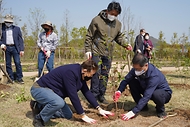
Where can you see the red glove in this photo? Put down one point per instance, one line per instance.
(116, 96)
(129, 47)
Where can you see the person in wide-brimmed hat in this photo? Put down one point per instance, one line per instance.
(46, 25)
(13, 47)
(47, 42)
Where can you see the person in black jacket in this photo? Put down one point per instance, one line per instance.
(146, 83)
(139, 42)
(64, 81)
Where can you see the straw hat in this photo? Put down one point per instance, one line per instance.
(8, 18)
(47, 23)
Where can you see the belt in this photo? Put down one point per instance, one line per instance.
(10, 44)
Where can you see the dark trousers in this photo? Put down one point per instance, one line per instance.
(12, 52)
(159, 96)
(100, 78)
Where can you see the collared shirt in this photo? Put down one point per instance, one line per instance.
(48, 43)
(9, 36)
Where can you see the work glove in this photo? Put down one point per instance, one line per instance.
(88, 55)
(138, 51)
(116, 96)
(3, 47)
(42, 49)
(129, 47)
(127, 116)
(105, 113)
(85, 118)
(21, 53)
(48, 53)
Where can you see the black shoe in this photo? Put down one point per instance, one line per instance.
(34, 107)
(161, 114)
(102, 100)
(20, 81)
(38, 123)
(145, 108)
(9, 82)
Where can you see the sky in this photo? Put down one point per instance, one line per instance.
(168, 16)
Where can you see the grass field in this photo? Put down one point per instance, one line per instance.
(18, 114)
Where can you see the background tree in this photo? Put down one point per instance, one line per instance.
(65, 29)
(78, 37)
(35, 19)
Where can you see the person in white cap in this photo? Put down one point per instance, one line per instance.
(47, 43)
(12, 43)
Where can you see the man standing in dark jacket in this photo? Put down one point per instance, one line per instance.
(103, 32)
(64, 81)
(146, 83)
(139, 42)
(12, 43)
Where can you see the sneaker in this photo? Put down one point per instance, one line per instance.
(20, 81)
(161, 114)
(34, 107)
(38, 122)
(102, 100)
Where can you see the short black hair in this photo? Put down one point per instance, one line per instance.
(114, 6)
(146, 34)
(140, 59)
(141, 30)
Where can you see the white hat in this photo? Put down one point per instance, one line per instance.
(47, 23)
(8, 18)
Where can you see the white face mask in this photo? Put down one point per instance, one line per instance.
(8, 24)
(143, 34)
(147, 37)
(111, 17)
(138, 73)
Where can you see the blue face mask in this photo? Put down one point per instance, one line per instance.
(138, 73)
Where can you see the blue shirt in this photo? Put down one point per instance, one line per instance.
(154, 79)
(66, 81)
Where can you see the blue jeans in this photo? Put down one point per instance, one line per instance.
(53, 105)
(41, 61)
(12, 52)
(100, 78)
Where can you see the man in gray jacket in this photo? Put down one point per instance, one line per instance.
(103, 31)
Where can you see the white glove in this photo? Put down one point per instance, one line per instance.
(138, 51)
(85, 118)
(3, 46)
(48, 53)
(88, 55)
(21, 53)
(127, 116)
(105, 113)
(42, 48)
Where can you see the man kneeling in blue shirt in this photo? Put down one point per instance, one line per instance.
(146, 83)
(64, 81)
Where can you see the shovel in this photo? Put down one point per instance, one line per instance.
(5, 76)
(42, 71)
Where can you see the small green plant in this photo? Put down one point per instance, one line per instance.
(21, 96)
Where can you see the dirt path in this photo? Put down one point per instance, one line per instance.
(26, 74)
